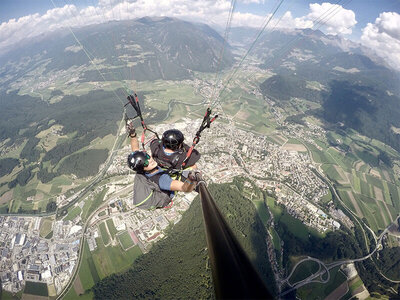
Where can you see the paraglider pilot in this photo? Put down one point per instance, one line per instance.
(170, 152)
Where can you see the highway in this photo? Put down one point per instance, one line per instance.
(324, 268)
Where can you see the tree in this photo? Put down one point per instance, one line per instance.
(51, 206)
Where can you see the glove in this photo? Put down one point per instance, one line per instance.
(130, 129)
(195, 176)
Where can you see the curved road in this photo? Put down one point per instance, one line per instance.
(327, 267)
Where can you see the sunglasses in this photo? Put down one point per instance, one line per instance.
(147, 161)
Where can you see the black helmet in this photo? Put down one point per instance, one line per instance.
(172, 139)
(138, 160)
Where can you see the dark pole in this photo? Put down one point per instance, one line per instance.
(233, 274)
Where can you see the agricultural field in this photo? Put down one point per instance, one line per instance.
(61, 184)
(106, 142)
(111, 228)
(15, 153)
(355, 285)
(29, 193)
(36, 288)
(49, 137)
(87, 272)
(109, 260)
(104, 233)
(345, 161)
(304, 270)
(378, 214)
(294, 147)
(332, 173)
(232, 107)
(367, 188)
(294, 141)
(73, 213)
(102, 262)
(262, 211)
(277, 139)
(275, 239)
(160, 93)
(92, 203)
(303, 105)
(275, 209)
(319, 156)
(72, 295)
(178, 110)
(327, 198)
(321, 290)
(294, 225)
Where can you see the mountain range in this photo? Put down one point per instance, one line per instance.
(140, 49)
(354, 89)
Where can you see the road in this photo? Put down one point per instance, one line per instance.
(331, 188)
(324, 268)
(327, 267)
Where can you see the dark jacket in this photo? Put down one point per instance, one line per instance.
(174, 160)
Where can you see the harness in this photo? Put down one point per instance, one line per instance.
(156, 180)
(147, 193)
(163, 160)
(171, 164)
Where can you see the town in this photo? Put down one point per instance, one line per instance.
(285, 170)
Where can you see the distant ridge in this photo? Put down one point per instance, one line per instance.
(154, 48)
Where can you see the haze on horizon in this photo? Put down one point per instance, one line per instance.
(373, 24)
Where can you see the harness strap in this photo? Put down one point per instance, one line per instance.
(147, 198)
(155, 179)
(205, 124)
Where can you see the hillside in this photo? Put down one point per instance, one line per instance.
(312, 55)
(283, 88)
(352, 88)
(366, 109)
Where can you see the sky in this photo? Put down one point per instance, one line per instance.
(372, 23)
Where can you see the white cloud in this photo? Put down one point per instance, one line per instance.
(252, 1)
(15, 31)
(336, 19)
(389, 22)
(208, 11)
(288, 21)
(247, 19)
(331, 18)
(384, 37)
(214, 12)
